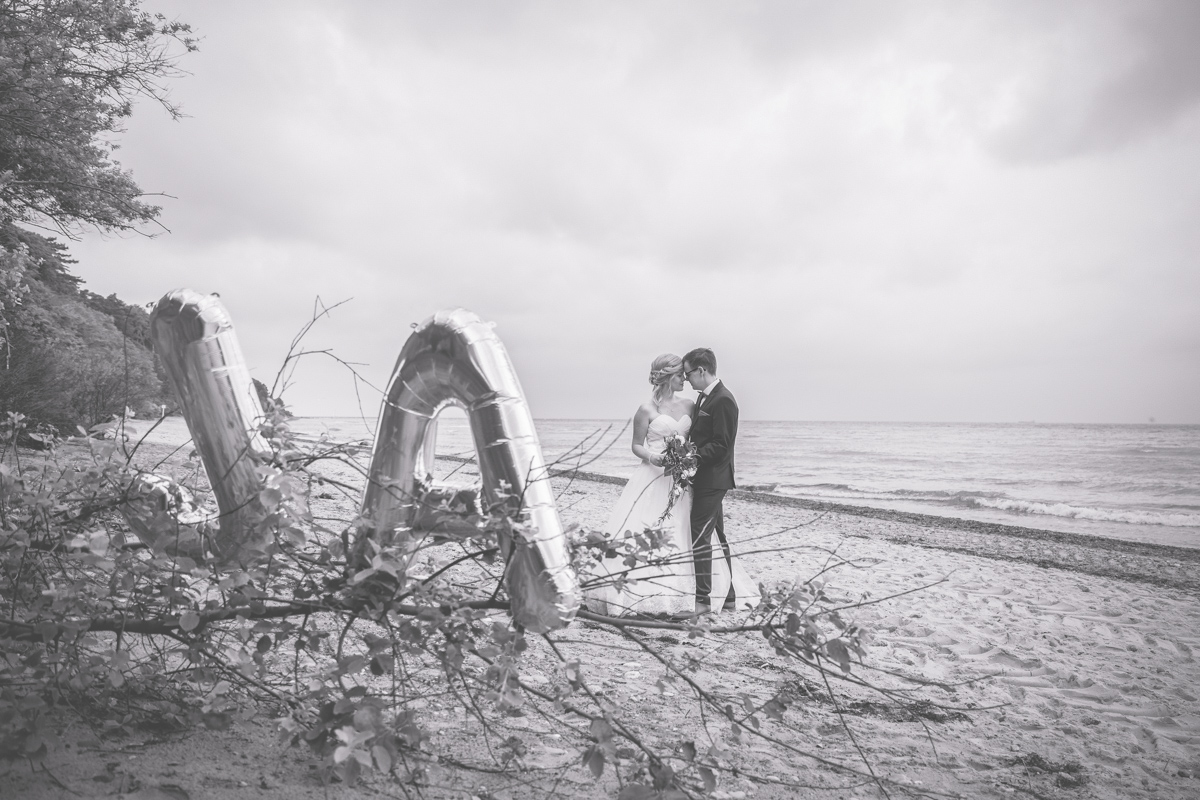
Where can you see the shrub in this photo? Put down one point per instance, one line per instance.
(355, 661)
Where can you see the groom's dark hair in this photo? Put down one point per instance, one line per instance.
(702, 357)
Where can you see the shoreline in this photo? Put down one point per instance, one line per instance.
(1169, 566)
(1165, 565)
(915, 518)
(1162, 565)
(1053, 515)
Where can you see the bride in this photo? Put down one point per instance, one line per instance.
(667, 585)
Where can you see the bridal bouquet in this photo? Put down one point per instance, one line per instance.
(680, 462)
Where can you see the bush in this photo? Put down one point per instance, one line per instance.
(359, 662)
(67, 357)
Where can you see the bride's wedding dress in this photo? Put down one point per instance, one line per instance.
(668, 587)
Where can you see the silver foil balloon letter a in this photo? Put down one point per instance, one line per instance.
(454, 358)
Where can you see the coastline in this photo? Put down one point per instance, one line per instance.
(1164, 565)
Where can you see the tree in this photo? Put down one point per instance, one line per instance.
(12, 295)
(72, 365)
(68, 356)
(46, 258)
(70, 71)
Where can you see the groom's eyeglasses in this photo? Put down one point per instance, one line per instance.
(688, 374)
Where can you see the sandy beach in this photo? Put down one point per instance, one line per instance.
(1072, 659)
(1089, 643)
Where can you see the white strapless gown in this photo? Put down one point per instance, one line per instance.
(668, 587)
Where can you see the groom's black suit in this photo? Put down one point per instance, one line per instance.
(714, 432)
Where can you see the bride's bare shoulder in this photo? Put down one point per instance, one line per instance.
(647, 411)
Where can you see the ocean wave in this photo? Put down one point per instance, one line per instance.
(994, 501)
(816, 489)
(1155, 450)
(845, 491)
(1131, 516)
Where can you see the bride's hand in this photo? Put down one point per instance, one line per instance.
(655, 459)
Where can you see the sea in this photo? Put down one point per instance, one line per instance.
(1134, 482)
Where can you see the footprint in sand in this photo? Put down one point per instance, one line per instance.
(1089, 691)
(996, 658)
(1055, 608)
(1006, 660)
(986, 589)
(1181, 730)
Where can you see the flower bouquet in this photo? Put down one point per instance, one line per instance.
(680, 462)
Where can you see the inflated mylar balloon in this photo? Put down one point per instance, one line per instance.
(454, 358)
(194, 338)
(166, 517)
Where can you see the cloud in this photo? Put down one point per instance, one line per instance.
(871, 210)
(1100, 76)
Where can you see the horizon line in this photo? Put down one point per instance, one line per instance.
(824, 421)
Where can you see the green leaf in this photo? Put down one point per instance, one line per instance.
(664, 776)
(710, 780)
(367, 718)
(636, 791)
(383, 759)
(836, 649)
(351, 665)
(350, 770)
(189, 621)
(601, 731)
(593, 759)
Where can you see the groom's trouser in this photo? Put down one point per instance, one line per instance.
(707, 518)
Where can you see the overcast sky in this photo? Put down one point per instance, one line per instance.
(945, 211)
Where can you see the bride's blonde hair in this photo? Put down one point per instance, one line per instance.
(662, 369)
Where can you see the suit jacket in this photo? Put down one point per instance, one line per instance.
(714, 432)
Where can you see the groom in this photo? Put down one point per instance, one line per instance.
(714, 431)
